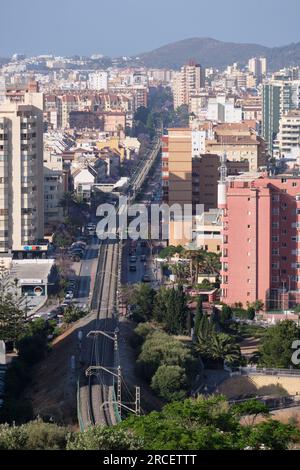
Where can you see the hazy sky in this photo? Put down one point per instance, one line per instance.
(127, 27)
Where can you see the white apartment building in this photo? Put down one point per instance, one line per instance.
(222, 109)
(21, 173)
(258, 66)
(98, 80)
(288, 138)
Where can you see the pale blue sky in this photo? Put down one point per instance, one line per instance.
(127, 27)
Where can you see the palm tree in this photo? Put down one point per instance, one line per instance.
(224, 349)
(212, 264)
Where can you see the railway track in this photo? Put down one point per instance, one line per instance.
(100, 384)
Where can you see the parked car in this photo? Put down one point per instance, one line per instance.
(146, 278)
(79, 244)
(143, 258)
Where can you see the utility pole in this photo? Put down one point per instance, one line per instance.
(138, 401)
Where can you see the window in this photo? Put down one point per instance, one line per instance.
(275, 225)
(275, 238)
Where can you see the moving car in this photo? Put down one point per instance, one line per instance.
(132, 267)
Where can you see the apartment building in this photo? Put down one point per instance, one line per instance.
(21, 172)
(98, 80)
(241, 144)
(261, 240)
(54, 187)
(187, 83)
(279, 97)
(68, 103)
(223, 109)
(258, 66)
(288, 139)
(208, 227)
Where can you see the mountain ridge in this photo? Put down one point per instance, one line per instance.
(211, 52)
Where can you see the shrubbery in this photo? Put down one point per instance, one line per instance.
(165, 362)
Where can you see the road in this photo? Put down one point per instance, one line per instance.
(87, 272)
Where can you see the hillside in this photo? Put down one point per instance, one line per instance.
(212, 53)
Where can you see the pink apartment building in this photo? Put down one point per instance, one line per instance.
(261, 241)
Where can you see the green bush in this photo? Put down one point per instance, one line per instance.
(35, 435)
(101, 438)
(170, 382)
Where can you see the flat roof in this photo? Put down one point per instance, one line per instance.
(33, 271)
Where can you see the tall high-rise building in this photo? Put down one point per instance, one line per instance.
(189, 177)
(187, 83)
(279, 97)
(261, 241)
(258, 66)
(21, 172)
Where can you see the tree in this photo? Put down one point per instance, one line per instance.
(206, 331)
(35, 435)
(170, 382)
(224, 349)
(160, 307)
(258, 305)
(104, 438)
(72, 314)
(207, 424)
(161, 349)
(198, 316)
(271, 435)
(250, 410)
(143, 300)
(127, 293)
(176, 321)
(12, 320)
(226, 314)
(33, 343)
(251, 313)
(276, 350)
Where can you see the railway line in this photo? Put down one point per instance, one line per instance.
(96, 396)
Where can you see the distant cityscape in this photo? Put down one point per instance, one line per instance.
(94, 331)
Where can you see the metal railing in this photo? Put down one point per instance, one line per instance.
(268, 371)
